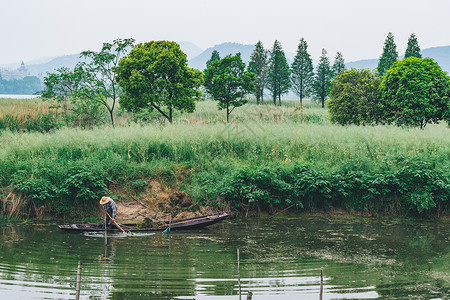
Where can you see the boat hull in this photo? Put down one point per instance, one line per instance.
(179, 224)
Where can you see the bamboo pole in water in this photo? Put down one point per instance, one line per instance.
(321, 284)
(78, 287)
(239, 274)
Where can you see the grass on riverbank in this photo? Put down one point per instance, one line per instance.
(268, 158)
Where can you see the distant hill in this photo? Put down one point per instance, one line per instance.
(68, 61)
(197, 58)
(440, 54)
(199, 62)
(191, 49)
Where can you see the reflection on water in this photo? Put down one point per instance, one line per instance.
(280, 259)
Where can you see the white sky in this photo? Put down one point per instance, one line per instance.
(33, 29)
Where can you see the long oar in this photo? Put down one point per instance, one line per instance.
(115, 223)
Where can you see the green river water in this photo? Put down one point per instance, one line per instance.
(280, 259)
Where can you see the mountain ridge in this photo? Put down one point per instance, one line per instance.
(197, 58)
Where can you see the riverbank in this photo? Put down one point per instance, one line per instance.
(266, 160)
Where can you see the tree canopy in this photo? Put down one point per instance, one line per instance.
(228, 82)
(302, 71)
(278, 77)
(353, 97)
(389, 56)
(258, 66)
(155, 75)
(414, 92)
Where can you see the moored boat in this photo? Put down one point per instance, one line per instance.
(177, 224)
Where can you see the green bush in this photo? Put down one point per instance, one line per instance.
(414, 92)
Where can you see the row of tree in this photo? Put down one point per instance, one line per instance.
(155, 76)
(273, 72)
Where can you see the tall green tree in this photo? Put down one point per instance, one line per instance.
(278, 77)
(155, 75)
(389, 56)
(323, 77)
(302, 71)
(413, 48)
(414, 92)
(92, 83)
(228, 82)
(215, 56)
(339, 64)
(258, 65)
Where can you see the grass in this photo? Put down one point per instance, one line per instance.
(259, 156)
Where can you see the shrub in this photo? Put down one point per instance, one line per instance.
(353, 97)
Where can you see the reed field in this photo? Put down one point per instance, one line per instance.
(268, 158)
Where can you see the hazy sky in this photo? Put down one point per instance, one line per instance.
(32, 29)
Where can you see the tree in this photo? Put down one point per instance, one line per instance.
(155, 75)
(413, 48)
(278, 77)
(215, 56)
(228, 82)
(322, 79)
(92, 83)
(302, 71)
(389, 55)
(414, 92)
(353, 97)
(258, 66)
(339, 64)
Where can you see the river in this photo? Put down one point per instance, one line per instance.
(280, 259)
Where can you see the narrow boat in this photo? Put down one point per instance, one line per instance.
(177, 224)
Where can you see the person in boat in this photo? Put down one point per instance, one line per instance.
(110, 208)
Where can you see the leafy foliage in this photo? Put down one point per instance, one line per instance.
(278, 77)
(92, 84)
(67, 189)
(354, 97)
(302, 71)
(414, 92)
(215, 56)
(155, 75)
(228, 82)
(389, 55)
(411, 188)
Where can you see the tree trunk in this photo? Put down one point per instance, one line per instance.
(279, 99)
(228, 112)
(170, 115)
(112, 118)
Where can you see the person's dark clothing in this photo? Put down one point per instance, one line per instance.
(111, 209)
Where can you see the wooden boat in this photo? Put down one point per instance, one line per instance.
(177, 224)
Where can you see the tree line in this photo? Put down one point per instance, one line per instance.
(26, 86)
(154, 76)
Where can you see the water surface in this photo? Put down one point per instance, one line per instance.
(280, 259)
